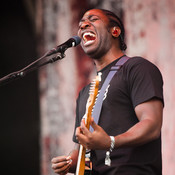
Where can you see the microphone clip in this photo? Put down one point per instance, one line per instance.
(59, 56)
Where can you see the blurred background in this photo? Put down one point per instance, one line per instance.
(37, 112)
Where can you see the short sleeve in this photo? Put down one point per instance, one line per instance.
(146, 81)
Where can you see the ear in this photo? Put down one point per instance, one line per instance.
(115, 31)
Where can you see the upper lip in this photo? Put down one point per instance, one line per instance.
(87, 31)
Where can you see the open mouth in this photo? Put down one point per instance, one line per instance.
(88, 38)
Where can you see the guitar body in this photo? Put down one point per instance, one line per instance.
(80, 169)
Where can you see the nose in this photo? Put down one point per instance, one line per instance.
(84, 25)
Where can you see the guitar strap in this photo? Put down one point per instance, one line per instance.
(98, 105)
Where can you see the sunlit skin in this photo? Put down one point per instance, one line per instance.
(104, 49)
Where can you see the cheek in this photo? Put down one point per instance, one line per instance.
(105, 40)
(78, 33)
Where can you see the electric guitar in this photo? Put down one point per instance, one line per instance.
(80, 169)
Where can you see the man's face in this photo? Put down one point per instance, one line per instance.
(93, 30)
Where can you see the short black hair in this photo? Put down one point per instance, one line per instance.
(114, 20)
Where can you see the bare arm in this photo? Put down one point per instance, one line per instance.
(148, 128)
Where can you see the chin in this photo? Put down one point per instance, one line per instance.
(89, 51)
(94, 55)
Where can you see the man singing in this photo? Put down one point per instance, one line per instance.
(131, 114)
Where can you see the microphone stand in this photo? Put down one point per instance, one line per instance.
(31, 67)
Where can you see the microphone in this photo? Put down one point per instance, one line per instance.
(72, 42)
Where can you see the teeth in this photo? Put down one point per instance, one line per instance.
(88, 34)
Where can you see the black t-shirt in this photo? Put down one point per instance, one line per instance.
(136, 82)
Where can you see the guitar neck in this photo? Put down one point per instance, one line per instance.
(89, 106)
(81, 161)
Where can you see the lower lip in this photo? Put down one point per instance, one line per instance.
(89, 42)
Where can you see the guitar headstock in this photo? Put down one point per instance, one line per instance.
(94, 86)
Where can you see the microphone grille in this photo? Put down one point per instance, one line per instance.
(77, 40)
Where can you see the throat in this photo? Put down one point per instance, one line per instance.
(104, 61)
(100, 64)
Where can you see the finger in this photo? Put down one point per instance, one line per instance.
(64, 169)
(68, 167)
(84, 129)
(83, 121)
(93, 124)
(78, 134)
(58, 159)
(78, 131)
(62, 166)
(81, 138)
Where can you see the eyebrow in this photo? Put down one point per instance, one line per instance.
(82, 20)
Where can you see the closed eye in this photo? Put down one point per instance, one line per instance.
(93, 18)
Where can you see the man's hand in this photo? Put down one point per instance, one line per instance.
(64, 164)
(61, 164)
(98, 139)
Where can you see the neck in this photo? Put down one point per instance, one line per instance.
(102, 62)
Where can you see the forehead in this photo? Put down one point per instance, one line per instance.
(95, 12)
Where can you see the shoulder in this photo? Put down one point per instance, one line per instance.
(139, 72)
(139, 64)
(144, 80)
(137, 60)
